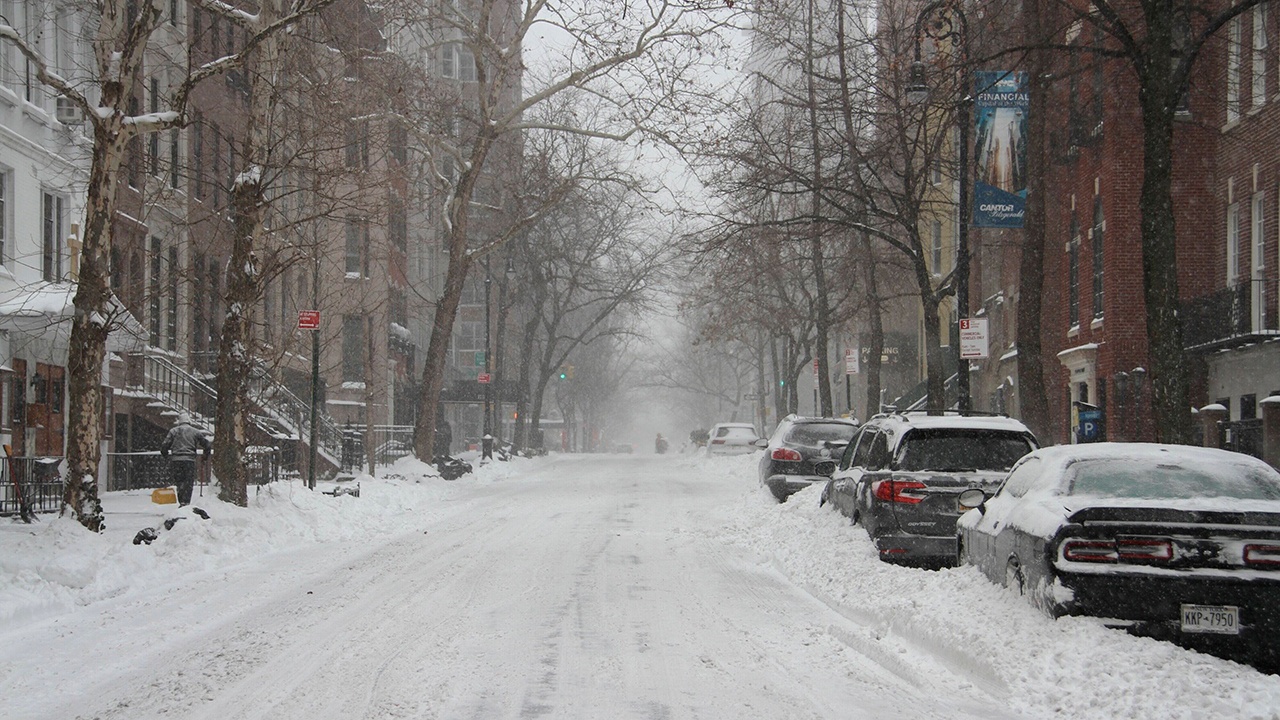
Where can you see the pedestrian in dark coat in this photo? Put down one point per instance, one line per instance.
(180, 447)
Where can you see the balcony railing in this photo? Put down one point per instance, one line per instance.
(1226, 316)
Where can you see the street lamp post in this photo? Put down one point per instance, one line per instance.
(936, 22)
(487, 440)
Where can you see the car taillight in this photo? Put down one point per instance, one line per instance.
(786, 454)
(898, 491)
(718, 441)
(1124, 549)
(1265, 555)
(1144, 549)
(1089, 551)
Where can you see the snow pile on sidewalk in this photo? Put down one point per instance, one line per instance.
(954, 621)
(54, 564)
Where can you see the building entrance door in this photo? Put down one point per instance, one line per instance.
(44, 409)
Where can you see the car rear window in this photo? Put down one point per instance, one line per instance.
(735, 432)
(959, 449)
(1179, 479)
(817, 433)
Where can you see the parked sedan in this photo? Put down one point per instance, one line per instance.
(1175, 542)
(732, 438)
(803, 451)
(901, 477)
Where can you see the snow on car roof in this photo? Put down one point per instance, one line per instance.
(1063, 454)
(969, 422)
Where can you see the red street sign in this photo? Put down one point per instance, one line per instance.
(309, 320)
(484, 378)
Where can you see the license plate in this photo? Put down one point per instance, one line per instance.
(1217, 619)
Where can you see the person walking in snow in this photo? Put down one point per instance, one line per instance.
(179, 447)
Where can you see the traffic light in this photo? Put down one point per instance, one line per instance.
(566, 372)
(782, 383)
(564, 375)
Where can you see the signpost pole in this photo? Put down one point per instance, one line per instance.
(315, 397)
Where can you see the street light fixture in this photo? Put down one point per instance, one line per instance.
(944, 20)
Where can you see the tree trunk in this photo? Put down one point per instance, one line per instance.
(234, 347)
(875, 350)
(526, 365)
(460, 262)
(1033, 401)
(1170, 394)
(934, 378)
(244, 279)
(87, 348)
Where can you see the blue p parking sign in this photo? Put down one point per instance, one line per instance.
(1089, 425)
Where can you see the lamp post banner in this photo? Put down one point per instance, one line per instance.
(1000, 153)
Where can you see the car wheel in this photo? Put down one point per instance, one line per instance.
(1013, 577)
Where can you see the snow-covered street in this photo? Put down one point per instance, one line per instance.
(562, 587)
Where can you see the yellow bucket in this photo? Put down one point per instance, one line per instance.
(164, 496)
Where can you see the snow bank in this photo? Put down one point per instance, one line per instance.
(55, 565)
(910, 619)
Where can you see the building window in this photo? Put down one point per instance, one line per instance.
(53, 221)
(457, 63)
(153, 291)
(1258, 243)
(357, 144)
(1073, 274)
(198, 156)
(397, 225)
(1259, 66)
(171, 326)
(353, 348)
(1233, 244)
(173, 159)
(5, 184)
(153, 139)
(399, 142)
(936, 246)
(1233, 70)
(1099, 224)
(357, 255)
(135, 149)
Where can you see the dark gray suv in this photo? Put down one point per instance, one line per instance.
(803, 451)
(902, 476)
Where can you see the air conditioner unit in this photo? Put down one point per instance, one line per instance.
(67, 112)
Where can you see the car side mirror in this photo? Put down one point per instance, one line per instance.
(762, 443)
(973, 498)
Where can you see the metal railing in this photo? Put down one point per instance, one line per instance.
(179, 389)
(294, 414)
(390, 443)
(134, 470)
(1242, 436)
(38, 487)
(1219, 316)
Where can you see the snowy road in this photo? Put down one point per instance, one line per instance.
(587, 588)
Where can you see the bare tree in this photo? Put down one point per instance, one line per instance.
(632, 57)
(122, 32)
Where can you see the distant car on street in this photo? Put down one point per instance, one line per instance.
(732, 438)
(901, 476)
(625, 448)
(1174, 542)
(803, 451)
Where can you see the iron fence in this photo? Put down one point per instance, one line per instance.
(389, 443)
(31, 482)
(1242, 436)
